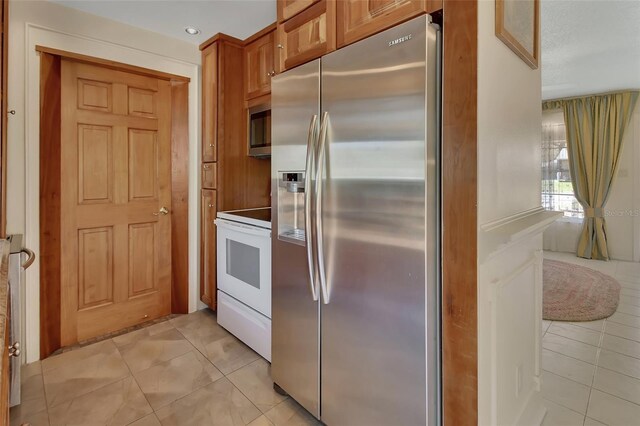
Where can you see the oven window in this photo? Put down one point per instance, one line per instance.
(243, 262)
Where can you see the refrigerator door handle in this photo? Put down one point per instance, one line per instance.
(320, 166)
(311, 145)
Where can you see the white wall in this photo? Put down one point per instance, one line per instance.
(622, 209)
(509, 272)
(34, 23)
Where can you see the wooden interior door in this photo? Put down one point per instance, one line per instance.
(115, 200)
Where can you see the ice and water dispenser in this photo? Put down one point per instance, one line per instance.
(291, 221)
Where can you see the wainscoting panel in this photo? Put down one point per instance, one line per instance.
(510, 320)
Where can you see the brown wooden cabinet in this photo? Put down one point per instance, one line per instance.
(4, 111)
(259, 66)
(306, 36)
(209, 175)
(290, 8)
(208, 248)
(357, 19)
(209, 102)
(239, 181)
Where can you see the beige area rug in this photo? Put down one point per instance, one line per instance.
(577, 293)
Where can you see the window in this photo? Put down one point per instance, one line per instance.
(557, 188)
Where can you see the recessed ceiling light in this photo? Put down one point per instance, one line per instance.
(192, 31)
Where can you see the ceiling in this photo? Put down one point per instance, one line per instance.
(589, 46)
(238, 18)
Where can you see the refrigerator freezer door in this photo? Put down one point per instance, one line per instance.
(378, 215)
(295, 99)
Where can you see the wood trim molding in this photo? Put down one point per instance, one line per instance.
(50, 163)
(180, 197)
(50, 170)
(221, 37)
(4, 110)
(459, 214)
(498, 236)
(490, 226)
(256, 36)
(530, 58)
(119, 66)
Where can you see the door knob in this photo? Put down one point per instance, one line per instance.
(163, 211)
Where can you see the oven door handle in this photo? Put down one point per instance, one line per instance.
(244, 229)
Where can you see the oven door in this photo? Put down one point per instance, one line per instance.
(244, 264)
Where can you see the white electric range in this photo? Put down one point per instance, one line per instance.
(244, 276)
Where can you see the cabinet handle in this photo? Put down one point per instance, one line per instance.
(206, 167)
(210, 205)
(280, 46)
(210, 145)
(271, 73)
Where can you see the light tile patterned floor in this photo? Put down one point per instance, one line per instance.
(185, 371)
(591, 370)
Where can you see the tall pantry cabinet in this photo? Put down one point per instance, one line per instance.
(222, 131)
(235, 74)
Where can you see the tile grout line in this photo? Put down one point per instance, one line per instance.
(603, 335)
(563, 406)
(590, 387)
(153, 410)
(206, 357)
(129, 370)
(93, 390)
(192, 391)
(569, 356)
(225, 376)
(595, 365)
(595, 371)
(579, 341)
(594, 346)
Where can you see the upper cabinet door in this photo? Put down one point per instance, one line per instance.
(209, 102)
(308, 35)
(259, 67)
(358, 19)
(289, 8)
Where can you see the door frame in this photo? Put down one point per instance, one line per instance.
(50, 167)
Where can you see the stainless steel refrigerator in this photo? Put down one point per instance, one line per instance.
(355, 331)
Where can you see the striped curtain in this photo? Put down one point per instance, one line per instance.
(595, 128)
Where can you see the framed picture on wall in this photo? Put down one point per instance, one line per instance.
(517, 25)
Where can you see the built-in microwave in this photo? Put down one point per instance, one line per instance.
(259, 132)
